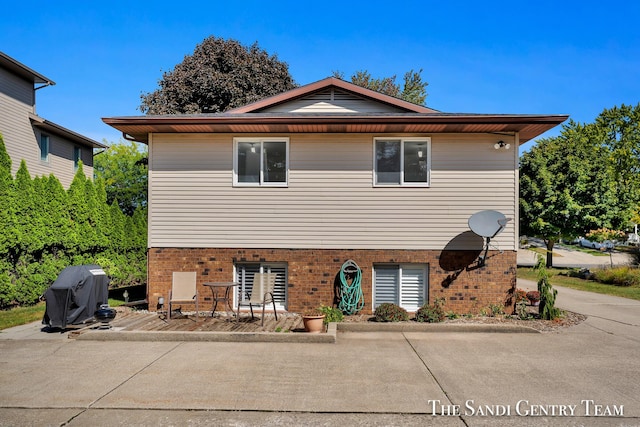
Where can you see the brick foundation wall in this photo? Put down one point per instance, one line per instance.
(453, 275)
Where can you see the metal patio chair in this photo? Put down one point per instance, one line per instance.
(261, 294)
(183, 290)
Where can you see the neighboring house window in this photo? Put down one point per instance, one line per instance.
(261, 161)
(44, 148)
(405, 285)
(244, 276)
(77, 157)
(402, 161)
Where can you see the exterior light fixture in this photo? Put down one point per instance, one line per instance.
(253, 147)
(501, 144)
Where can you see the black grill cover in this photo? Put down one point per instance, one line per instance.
(75, 295)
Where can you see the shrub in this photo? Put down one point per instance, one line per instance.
(387, 312)
(619, 276)
(431, 313)
(521, 310)
(331, 314)
(547, 310)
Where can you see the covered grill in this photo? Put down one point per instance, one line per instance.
(76, 295)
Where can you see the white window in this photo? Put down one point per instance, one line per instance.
(405, 285)
(402, 161)
(244, 276)
(261, 161)
(44, 148)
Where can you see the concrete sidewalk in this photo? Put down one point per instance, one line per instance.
(383, 378)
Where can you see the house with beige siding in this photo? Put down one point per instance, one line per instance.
(46, 147)
(301, 182)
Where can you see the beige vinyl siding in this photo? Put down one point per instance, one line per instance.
(22, 140)
(333, 101)
(16, 102)
(330, 201)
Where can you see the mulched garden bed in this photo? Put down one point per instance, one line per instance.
(568, 319)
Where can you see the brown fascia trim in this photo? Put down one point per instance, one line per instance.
(324, 84)
(248, 118)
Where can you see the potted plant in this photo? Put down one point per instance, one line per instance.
(313, 321)
(533, 297)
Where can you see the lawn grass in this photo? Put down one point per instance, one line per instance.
(557, 278)
(22, 315)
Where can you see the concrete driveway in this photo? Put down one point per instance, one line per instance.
(584, 375)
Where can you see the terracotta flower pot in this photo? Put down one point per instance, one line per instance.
(313, 324)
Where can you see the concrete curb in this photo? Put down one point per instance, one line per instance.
(156, 336)
(294, 337)
(435, 327)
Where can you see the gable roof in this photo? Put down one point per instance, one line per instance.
(398, 116)
(329, 83)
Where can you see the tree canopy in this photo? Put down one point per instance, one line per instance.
(584, 179)
(414, 89)
(123, 169)
(219, 75)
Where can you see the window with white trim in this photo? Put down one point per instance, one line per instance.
(402, 161)
(44, 148)
(244, 275)
(405, 285)
(261, 161)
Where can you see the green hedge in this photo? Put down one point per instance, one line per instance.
(44, 228)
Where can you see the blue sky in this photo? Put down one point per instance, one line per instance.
(542, 57)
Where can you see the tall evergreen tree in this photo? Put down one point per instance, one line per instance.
(58, 217)
(27, 221)
(7, 235)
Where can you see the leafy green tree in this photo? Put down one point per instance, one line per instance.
(566, 187)
(618, 129)
(219, 75)
(414, 89)
(123, 169)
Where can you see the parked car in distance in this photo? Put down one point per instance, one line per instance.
(585, 243)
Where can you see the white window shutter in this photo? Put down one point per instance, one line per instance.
(386, 285)
(412, 289)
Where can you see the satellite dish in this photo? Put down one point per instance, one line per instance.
(487, 224)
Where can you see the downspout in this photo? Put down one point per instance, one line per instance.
(129, 137)
(43, 86)
(49, 83)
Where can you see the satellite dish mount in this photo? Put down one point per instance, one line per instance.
(487, 224)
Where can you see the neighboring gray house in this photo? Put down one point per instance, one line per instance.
(47, 147)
